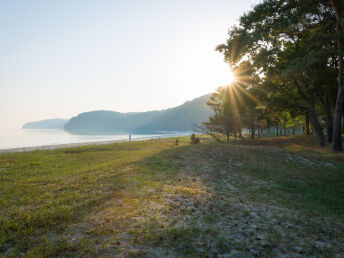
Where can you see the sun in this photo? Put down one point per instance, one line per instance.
(231, 77)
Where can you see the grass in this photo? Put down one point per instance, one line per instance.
(264, 198)
(305, 145)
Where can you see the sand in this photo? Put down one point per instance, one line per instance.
(69, 145)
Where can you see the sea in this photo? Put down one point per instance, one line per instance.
(20, 138)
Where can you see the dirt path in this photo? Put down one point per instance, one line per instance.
(200, 201)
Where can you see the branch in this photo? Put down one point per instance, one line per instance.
(300, 91)
(206, 129)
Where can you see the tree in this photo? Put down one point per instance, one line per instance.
(338, 7)
(226, 119)
(287, 44)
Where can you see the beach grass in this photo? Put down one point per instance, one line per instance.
(153, 198)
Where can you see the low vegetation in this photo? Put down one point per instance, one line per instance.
(155, 198)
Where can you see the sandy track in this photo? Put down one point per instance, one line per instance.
(69, 145)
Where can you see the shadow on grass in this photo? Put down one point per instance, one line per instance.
(165, 199)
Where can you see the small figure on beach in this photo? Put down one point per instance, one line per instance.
(129, 137)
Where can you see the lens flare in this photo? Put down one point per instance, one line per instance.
(231, 77)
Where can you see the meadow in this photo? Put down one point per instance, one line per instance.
(268, 197)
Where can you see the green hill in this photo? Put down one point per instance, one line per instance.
(180, 118)
(56, 123)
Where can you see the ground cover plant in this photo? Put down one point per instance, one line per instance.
(154, 198)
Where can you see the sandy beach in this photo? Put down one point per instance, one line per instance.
(69, 145)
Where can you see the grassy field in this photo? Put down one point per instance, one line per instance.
(266, 197)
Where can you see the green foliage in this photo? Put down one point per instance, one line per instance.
(181, 118)
(226, 117)
(290, 47)
(35, 163)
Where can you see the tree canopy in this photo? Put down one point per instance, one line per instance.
(287, 57)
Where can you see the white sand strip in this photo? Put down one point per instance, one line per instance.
(69, 145)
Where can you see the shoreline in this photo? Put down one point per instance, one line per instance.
(78, 144)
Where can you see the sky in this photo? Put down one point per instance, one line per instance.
(61, 58)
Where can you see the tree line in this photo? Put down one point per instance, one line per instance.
(287, 57)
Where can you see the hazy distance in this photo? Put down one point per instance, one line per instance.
(58, 59)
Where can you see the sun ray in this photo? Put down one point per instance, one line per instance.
(231, 77)
(248, 94)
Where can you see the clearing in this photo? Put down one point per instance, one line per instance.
(277, 197)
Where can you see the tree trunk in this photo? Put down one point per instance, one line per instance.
(337, 123)
(316, 125)
(329, 120)
(240, 135)
(307, 124)
(252, 128)
(343, 121)
(338, 113)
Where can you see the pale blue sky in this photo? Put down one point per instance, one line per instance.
(60, 58)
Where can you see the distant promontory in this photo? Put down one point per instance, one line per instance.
(180, 118)
(56, 123)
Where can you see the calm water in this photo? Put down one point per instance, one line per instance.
(33, 137)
